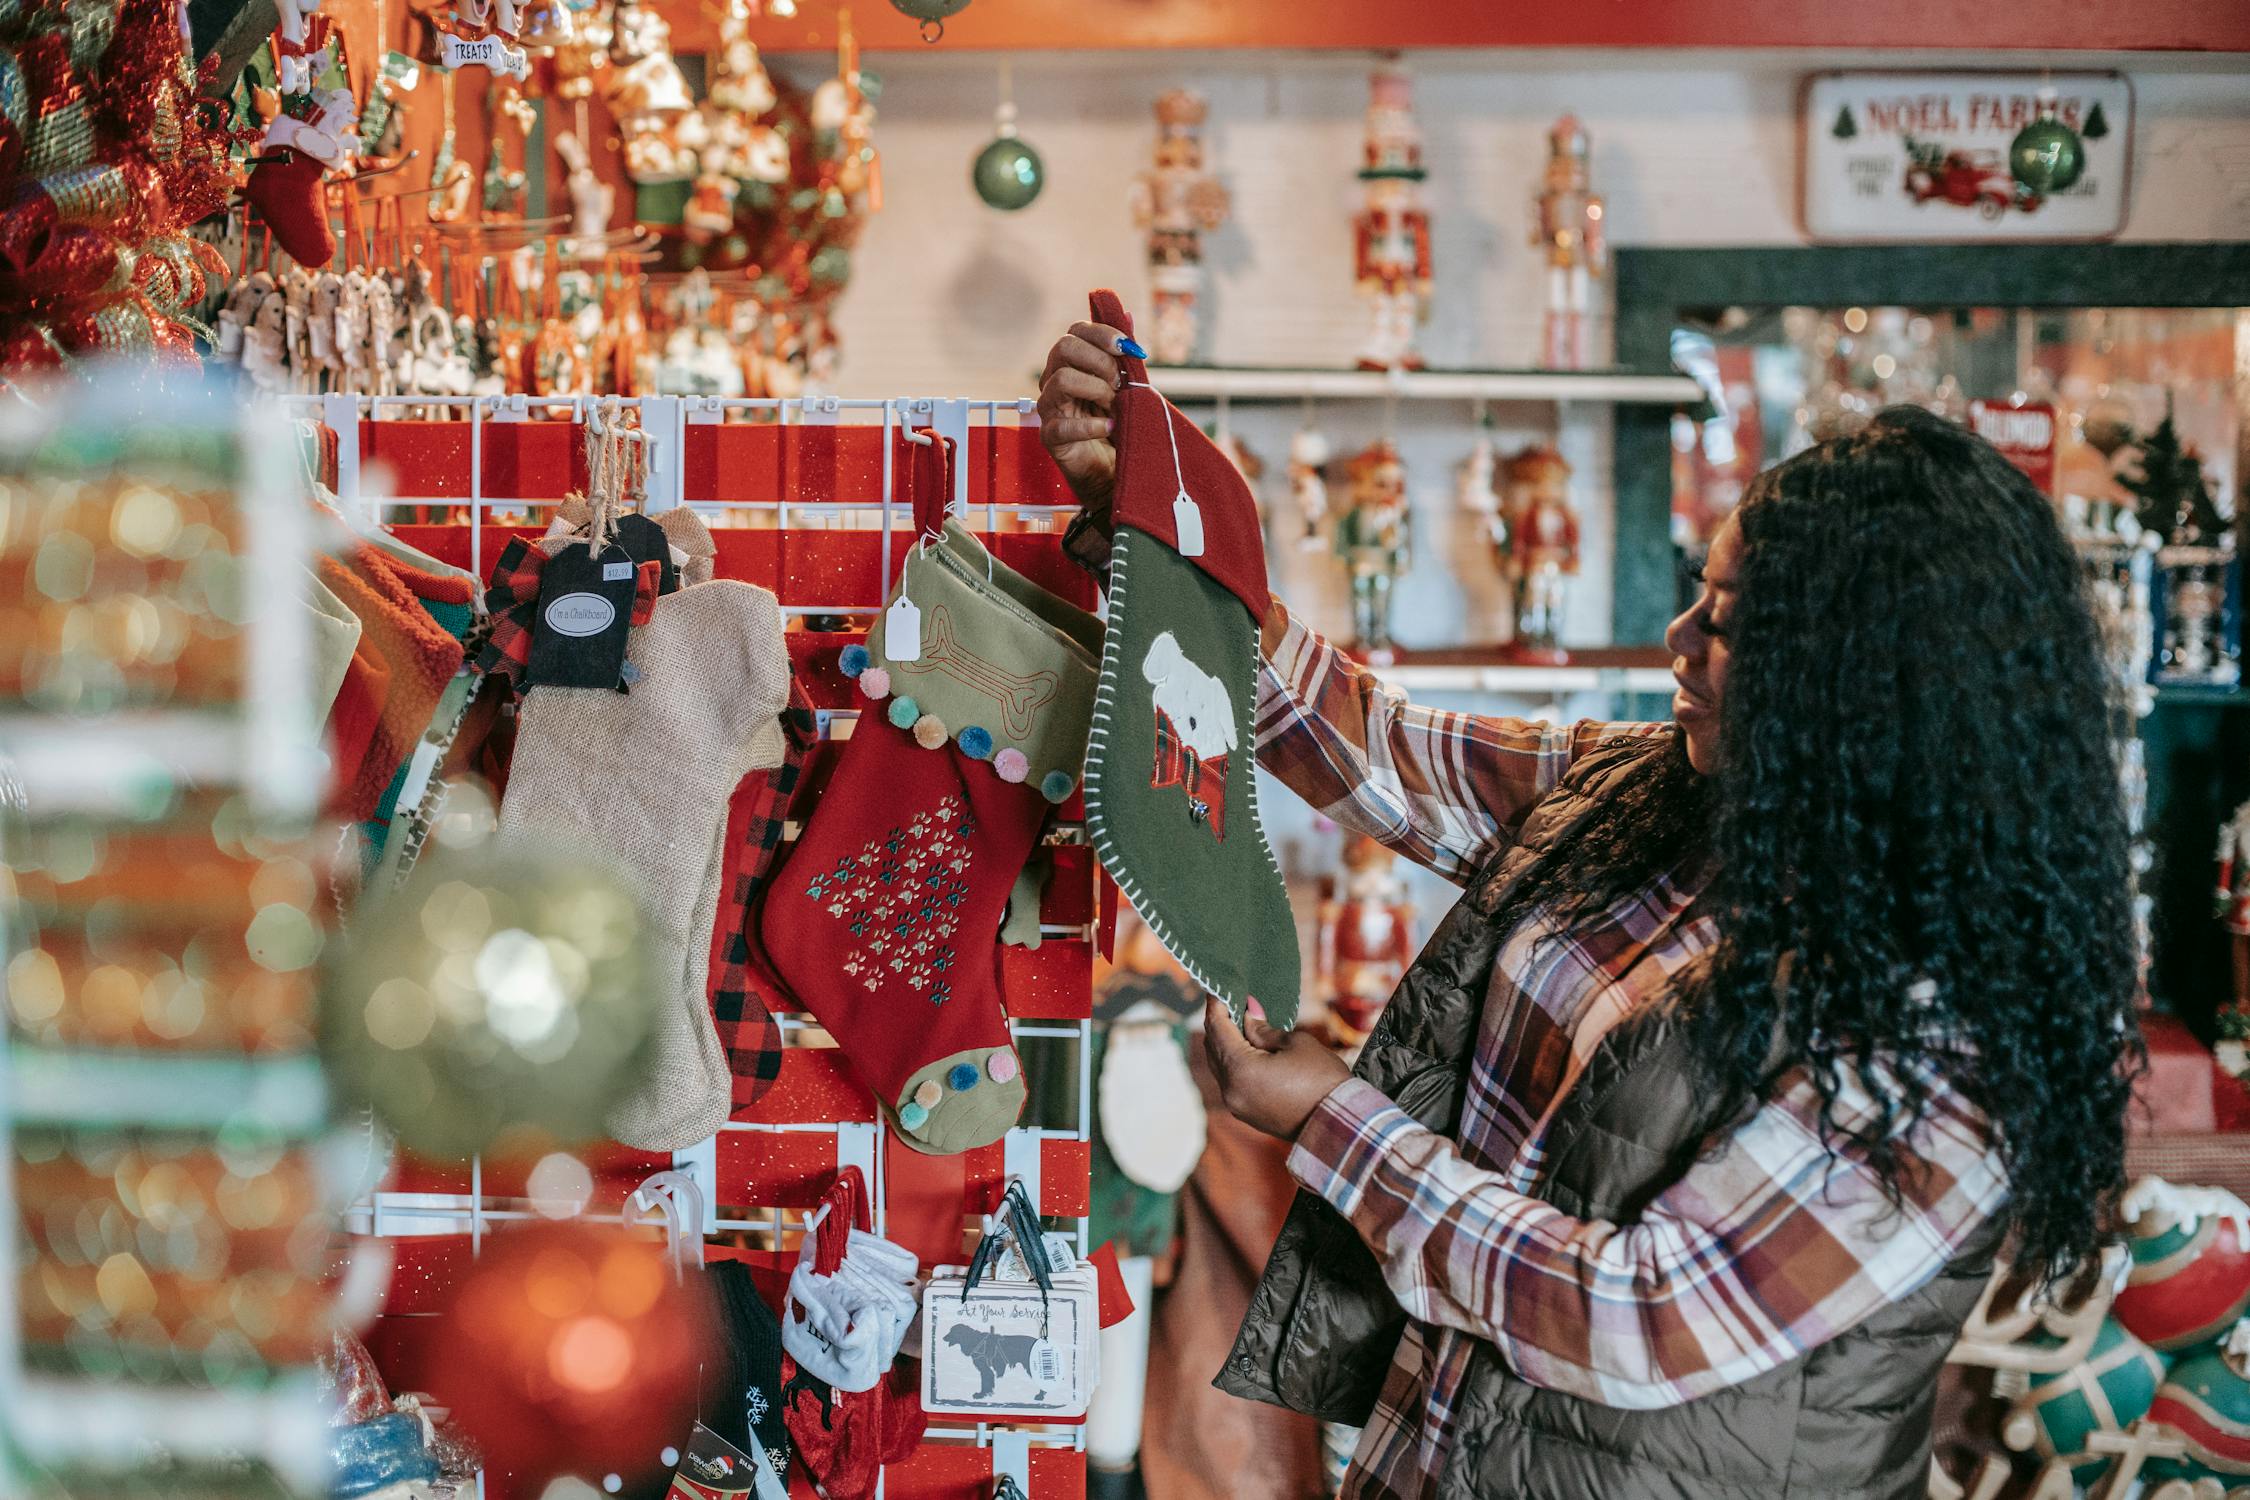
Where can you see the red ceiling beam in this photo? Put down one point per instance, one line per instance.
(1050, 25)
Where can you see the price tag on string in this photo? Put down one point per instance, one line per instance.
(902, 629)
(1187, 524)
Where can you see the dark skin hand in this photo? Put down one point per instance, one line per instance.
(1077, 393)
(1271, 1080)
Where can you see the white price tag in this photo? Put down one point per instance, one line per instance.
(902, 630)
(1187, 523)
(614, 571)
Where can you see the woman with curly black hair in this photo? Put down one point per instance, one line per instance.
(1681, 1156)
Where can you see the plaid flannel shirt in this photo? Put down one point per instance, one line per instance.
(1765, 1247)
(755, 817)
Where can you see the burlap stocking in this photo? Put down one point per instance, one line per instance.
(645, 778)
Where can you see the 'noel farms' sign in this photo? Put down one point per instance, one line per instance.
(1925, 157)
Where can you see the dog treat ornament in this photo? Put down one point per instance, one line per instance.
(1171, 788)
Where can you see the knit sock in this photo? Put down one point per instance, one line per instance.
(645, 778)
(883, 923)
(286, 192)
(422, 656)
(752, 1400)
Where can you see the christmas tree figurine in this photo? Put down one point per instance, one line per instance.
(2175, 499)
(1569, 228)
(1391, 256)
(1373, 542)
(1843, 129)
(1177, 202)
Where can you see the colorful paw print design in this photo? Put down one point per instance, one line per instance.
(899, 899)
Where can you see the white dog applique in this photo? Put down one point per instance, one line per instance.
(1194, 731)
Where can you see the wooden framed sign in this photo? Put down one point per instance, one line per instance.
(1925, 157)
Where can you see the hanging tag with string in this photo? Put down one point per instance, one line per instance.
(1187, 516)
(928, 493)
(586, 590)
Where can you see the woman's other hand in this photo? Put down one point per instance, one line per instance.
(1271, 1080)
(1077, 396)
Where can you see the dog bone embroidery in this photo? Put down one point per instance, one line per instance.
(1019, 696)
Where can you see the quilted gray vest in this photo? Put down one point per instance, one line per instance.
(1850, 1420)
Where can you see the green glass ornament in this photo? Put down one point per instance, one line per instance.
(1008, 173)
(2047, 156)
(931, 13)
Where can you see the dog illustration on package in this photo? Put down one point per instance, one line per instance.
(1004, 1350)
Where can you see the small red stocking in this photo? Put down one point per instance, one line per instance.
(844, 1438)
(286, 190)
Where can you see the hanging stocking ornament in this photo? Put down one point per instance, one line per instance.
(843, 1436)
(286, 189)
(976, 690)
(643, 781)
(1171, 789)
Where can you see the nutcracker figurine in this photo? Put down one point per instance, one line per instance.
(1176, 200)
(1569, 228)
(1392, 256)
(1366, 939)
(1372, 540)
(1541, 550)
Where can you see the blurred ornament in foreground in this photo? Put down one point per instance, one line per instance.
(496, 1003)
(575, 1350)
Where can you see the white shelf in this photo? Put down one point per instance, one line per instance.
(1209, 382)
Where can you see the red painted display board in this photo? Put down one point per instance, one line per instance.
(931, 1204)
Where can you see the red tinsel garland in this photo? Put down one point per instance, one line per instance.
(106, 155)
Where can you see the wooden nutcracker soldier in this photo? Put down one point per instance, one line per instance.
(1176, 201)
(1568, 226)
(1541, 548)
(1366, 940)
(1391, 258)
(1372, 540)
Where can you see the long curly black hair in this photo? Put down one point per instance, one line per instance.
(1918, 781)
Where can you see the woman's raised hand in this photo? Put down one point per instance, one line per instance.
(1077, 394)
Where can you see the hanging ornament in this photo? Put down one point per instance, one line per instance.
(2047, 156)
(932, 14)
(1008, 174)
(573, 1348)
(495, 1000)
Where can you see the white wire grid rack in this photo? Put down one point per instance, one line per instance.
(663, 423)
